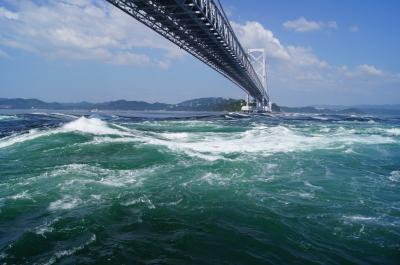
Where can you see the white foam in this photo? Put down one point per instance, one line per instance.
(64, 115)
(8, 117)
(83, 125)
(21, 196)
(144, 199)
(349, 151)
(120, 178)
(320, 118)
(66, 203)
(325, 130)
(393, 131)
(395, 176)
(359, 218)
(172, 203)
(96, 197)
(303, 195)
(46, 227)
(106, 139)
(20, 138)
(40, 113)
(60, 254)
(83, 174)
(214, 179)
(262, 140)
(175, 136)
(92, 126)
(308, 184)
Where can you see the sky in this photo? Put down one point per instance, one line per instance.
(335, 52)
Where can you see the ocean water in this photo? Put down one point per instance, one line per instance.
(208, 188)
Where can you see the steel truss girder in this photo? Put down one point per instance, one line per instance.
(199, 27)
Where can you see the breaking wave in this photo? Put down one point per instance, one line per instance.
(82, 189)
(92, 126)
(8, 117)
(264, 140)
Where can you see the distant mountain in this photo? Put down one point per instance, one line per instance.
(210, 104)
(131, 105)
(361, 106)
(200, 104)
(371, 109)
(311, 109)
(20, 103)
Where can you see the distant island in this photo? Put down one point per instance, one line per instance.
(200, 104)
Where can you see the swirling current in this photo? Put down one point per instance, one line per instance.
(212, 188)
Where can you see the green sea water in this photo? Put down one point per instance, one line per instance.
(113, 188)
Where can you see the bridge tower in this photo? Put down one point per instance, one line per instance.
(257, 58)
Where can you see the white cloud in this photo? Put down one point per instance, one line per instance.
(83, 30)
(354, 29)
(7, 14)
(369, 70)
(253, 35)
(363, 70)
(302, 56)
(303, 25)
(298, 69)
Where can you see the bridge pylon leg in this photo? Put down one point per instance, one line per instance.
(247, 107)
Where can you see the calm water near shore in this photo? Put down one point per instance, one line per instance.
(82, 187)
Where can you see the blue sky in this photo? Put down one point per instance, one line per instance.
(319, 52)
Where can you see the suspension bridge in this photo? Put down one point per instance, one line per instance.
(202, 28)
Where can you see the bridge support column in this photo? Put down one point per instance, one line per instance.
(247, 107)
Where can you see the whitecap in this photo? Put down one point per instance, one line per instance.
(20, 196)
(64, 115)
(83, 125)
(68, 252)
(359, 218)
(96, 197)
(214, 179)
(175, 136)
(144, 199)
(40, 113)
(20, 138)
(66, 203)
(261, 140)
(99, 175)
(393, 131)
(92, 126)
(395, 176)
(300, 194)
(319, 118)
(8, 117)
(308, 184)
(174, 203)
(46, 227)
(349, 151)
(325, 130)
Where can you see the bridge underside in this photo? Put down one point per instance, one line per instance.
(200, 28)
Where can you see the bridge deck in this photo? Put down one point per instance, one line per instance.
(200, 28)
